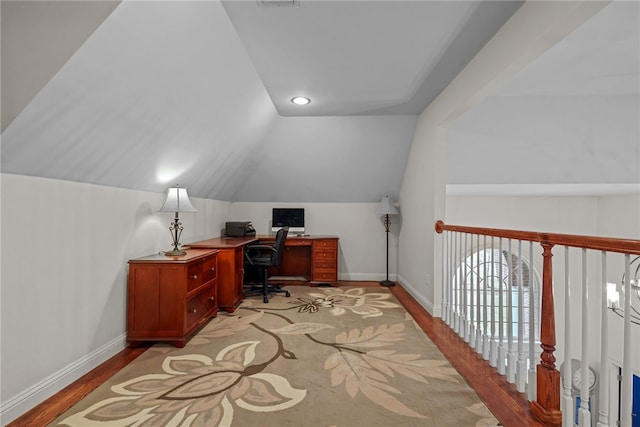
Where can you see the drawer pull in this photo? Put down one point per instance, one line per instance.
(195, 310)
(212, 298)
(194, 277)
(213, 269)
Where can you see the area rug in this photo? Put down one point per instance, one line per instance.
(323, 357)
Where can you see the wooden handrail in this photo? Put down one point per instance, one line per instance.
(546, 407)
(627, 246)
(496, 232)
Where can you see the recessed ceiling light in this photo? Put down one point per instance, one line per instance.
(300, 100)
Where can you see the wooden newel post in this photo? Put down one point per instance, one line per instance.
(546, 408)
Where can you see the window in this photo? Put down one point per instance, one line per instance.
(489, 286)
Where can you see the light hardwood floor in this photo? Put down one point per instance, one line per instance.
(507, 404)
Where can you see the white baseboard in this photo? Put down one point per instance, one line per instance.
(365, 277)
(38, 393)
(433, 309)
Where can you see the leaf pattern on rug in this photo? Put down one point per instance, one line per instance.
(356, 300)
(368, 372)
(194, 390)
(225, 326)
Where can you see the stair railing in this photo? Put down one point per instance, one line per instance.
(494, 300)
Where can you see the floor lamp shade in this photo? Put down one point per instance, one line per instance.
(387, 207)
(177, 201)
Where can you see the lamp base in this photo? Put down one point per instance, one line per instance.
(175, 252)
(387, 283)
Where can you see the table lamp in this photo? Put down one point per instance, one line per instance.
(386, 208)
(177, 201)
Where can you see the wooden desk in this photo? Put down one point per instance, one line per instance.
(230, 268)
(313, 257)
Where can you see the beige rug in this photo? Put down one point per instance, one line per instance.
(324, 357)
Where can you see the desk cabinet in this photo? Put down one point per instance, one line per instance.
(230, 268)
(324, 260)
(232, 275)
(169, 298)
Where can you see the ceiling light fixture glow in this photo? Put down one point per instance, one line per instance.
(300, 100)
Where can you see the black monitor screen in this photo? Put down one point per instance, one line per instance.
(292, 217)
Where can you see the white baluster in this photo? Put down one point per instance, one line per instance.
(584, 415)
(603, 401)
(493, 343)
(465, 285)
(460, 264)
(531, 380)
(450, 320)
(456, 280)
(567, 400)
(625, 398)
(445, 290)
(478, 346)
(502, 350)
(474, 278)
(521, 367)
(485, 306)
(511, 354)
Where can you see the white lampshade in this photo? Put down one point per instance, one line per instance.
(177, 201)
(387, 207)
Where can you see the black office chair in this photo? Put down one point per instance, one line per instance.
(258, 259)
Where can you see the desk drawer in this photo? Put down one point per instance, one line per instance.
(194, 275)
(324, 265)
(200, 306)
(209, 267)
(298, 242)
(325, 244)
(321, 256)
(322, 275)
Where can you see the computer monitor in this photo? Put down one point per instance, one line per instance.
(291, 217)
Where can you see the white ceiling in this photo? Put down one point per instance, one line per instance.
(197, 93)
(362, 57)
(570, 118)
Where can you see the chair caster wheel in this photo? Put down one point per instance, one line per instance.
(287, 294)
(265, 300)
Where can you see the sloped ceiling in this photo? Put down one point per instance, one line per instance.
(37, 39)
(568, 123)
(196, 93)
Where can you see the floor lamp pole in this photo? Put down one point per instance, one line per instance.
(387, 225)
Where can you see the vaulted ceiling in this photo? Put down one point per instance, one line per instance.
(198, 93)
(569, 123)
(146, 94)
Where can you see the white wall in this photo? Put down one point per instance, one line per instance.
(65, 248)
(532, 30)
(360, 229)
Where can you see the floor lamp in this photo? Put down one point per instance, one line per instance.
(386, 208)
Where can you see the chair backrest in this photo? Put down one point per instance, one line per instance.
(281, 236)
